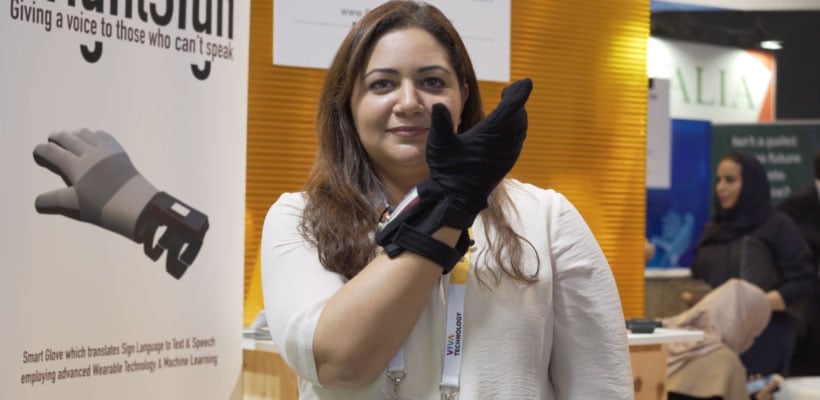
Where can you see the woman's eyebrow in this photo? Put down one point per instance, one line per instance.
(382, 70)
(393, 71)
(433, 68)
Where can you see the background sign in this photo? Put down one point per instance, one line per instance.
(715, 83)
(125, 281)
(675, 216)
(658, 135)
(786, 150)
(307, 33)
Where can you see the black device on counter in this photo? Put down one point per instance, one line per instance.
(642, 325)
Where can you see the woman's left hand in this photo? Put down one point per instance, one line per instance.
(775, 300)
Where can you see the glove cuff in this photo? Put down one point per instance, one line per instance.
(413, 222)
(410, 239)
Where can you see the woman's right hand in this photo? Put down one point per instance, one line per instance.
(468, 166)
(688, 298)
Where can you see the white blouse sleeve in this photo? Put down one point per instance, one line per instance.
(295, 286)
(590, 354)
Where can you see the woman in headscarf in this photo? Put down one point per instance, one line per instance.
(731, 317)
(747, 237)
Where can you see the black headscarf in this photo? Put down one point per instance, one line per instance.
(753, 206)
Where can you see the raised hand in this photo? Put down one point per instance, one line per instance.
(468, 166)
(464, 169)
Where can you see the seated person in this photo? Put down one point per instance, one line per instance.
(731, 316)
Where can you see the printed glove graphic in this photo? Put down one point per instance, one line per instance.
(464, 169)
(105, 189)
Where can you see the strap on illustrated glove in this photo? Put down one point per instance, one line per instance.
(105, 189)
(464, 169)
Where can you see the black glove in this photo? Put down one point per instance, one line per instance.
(467, 167)
(464, 170)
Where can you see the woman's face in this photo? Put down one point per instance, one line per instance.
(408, 71)
(729, 183)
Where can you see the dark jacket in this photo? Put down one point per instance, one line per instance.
(803, 206)
(717, 257)
(717, 261)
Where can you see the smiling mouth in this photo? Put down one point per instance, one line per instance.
(408, 131)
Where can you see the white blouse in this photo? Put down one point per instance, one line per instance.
(562, 337)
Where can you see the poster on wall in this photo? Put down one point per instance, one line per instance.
(122, 158)
(716, 83)
(658, 135)
(785, 149)
(307, 33)
(675, 215)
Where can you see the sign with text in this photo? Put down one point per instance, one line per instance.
(307, 33)
(122, 158)
(786, 150)
(715, 83)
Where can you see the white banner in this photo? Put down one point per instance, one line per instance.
(715, 83)
(122, 246)
(658, 136)
(307, 33)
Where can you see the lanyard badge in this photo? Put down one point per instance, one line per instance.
(453, 340)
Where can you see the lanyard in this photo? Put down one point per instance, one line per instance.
(453, 340)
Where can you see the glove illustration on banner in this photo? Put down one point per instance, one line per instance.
(105, 189)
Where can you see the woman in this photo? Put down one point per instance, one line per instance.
(744, 215)
(540, 316)
(731, 316)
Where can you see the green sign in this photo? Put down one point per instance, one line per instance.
(786, 150)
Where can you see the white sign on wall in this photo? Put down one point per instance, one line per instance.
(307, 33)
(658, 136)
(121, 247)
(716, 83)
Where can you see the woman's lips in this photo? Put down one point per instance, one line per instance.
(408, 131)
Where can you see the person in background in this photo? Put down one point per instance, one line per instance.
(731, 316)
(360, 285)
(743, 209)
(803, 206)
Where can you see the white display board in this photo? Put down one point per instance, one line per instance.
(715, 83)
(85, 312)
(658, 136)
(307, 33)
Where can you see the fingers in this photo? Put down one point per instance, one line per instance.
(441, 127)
(102, 139)
(61, 201)
(512, 102)
(514, 96)
(517, 93)
(72, 142)
(55, 158)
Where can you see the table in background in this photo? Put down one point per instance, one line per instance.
(266, 376)
(649, 359)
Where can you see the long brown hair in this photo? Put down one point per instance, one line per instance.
(344, 196)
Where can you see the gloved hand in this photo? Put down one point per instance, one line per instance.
(104, 188)
(464, 169)
(467, 167)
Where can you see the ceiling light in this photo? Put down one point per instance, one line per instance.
(771, 44)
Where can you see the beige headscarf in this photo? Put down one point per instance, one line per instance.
(731, 316)
(734, 314)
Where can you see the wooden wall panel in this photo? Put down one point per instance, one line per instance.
(587, 136)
